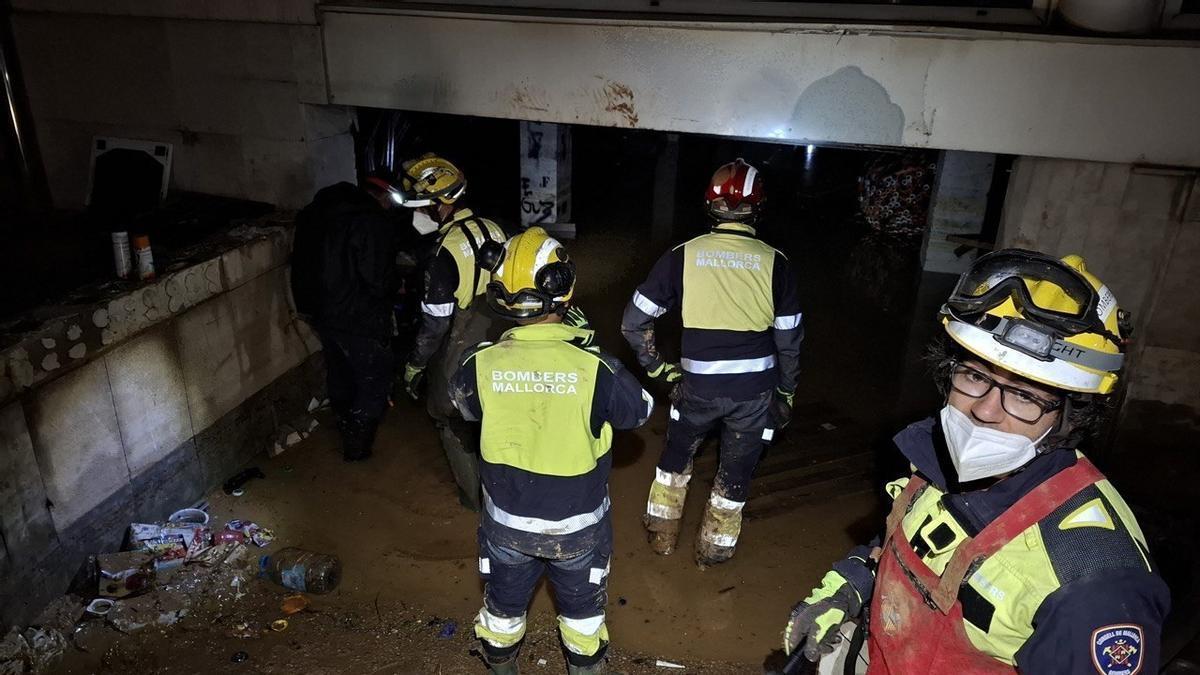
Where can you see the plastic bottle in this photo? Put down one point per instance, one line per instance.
(144, 256)
(122, 260)
(301, 570)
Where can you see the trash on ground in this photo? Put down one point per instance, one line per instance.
(448, 630)
(238, 657)
(100, 606)
(542, 662)
(243, 630)
(241, 478)
(259, 535)
(827, 426)
(301, 570)
(124, 574)
(63, 613)
(726, 589)
(279, 625)
(161, 608)
(228, 537)
(46, 647)
(174, 542)
(667, 664)
(293, 604)
(191, 516)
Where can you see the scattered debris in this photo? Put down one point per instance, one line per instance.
(622, 601)
(244, 631)
(448, 630)
(159, 607)
(668, 664)
(279, 625)
(726, 589)
(100, 606)
(125, 574)
(46, 647)
(293, 604)
(238, 657)
(827, 426)
(241, 478)
(302, 570)
(14, 653)
(542, 662)
(260, 536)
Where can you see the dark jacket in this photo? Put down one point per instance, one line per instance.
(344, 262)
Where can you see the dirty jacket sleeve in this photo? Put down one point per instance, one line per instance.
(656, 296)
(464, 387)
(1077, 623)
(620, 399)
(437, 308)
(788, 330)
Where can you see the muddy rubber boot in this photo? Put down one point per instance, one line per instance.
(598, 668)
(719, 530)
(357, 437)
(505, 663)
(662, 533)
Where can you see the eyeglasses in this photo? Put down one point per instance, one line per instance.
(1017, 402)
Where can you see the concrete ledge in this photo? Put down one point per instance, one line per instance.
(177, 384)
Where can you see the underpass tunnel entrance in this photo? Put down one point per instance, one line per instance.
(877, 234)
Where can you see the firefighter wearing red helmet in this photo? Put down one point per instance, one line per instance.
(740, 350)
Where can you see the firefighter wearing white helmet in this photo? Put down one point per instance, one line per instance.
(739, 359)
(1005, 542)
(548, 404)
(451, 317)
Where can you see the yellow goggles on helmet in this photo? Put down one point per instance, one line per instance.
(429, 180)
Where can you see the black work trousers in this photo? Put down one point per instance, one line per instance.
(359, 373)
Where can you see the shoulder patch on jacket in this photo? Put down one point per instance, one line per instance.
(1117, 649)
(1086, 546)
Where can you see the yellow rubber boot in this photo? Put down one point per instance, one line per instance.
(719, 531)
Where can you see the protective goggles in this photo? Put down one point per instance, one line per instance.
(1003, 275)
(523, 304)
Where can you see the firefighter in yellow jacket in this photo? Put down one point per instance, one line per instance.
(548, 404)
(1005, 542)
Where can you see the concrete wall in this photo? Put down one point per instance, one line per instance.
(242, 101)
(165, 402)
(954, 89)
(956, 208)
(1139, 231)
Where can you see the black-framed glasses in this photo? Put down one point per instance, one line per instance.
(1021, 404)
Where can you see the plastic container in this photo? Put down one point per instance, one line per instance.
(144, 256)
(122, 261)
(301, 570)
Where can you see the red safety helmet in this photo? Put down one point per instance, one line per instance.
(735, 192)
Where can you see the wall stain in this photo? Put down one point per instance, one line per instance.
(848, 105)
(618, 97)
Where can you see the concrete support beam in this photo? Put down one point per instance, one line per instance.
(546, 177)
(956, 209)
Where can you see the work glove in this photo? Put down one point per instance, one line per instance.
(413, 376)
(814, 623)
(575, 318)
(781, 407)
(666, 372)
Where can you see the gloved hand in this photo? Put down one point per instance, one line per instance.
(814, 623)
(781, 407)
(666, 372)
(575, 318)
(413, 375)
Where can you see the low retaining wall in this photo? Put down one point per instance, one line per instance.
(130, 401)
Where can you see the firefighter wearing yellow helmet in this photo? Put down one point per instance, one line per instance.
(548, 405)
(1005, 542)
(451, 319)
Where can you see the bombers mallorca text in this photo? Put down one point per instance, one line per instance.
(729, 259)
(534, 382)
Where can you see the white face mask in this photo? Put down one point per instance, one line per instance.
(980, 452)
(423, 224)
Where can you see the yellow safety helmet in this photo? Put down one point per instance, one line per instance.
(426, 181)
(531, 277)
(1045, 319)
